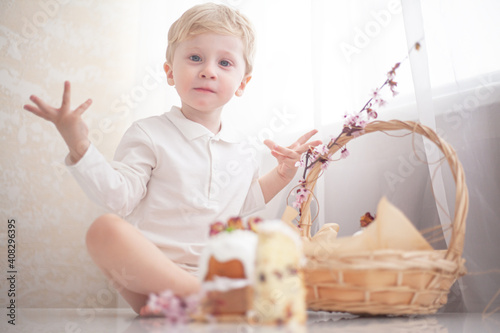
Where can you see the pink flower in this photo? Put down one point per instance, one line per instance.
(392, 85)
(300, 197)
(302, 191)
(351, 120)
(355, 121)
(325, 161)
(301, 163)
(174, 308)
(357, 133)
(392, 73)
(217, 227)
(372, 114)
(344, 153)
(381, 102)
(153, 305)
(321, 149)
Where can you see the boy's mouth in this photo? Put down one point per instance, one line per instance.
(204, 89)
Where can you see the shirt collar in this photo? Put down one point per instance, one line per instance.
(192, 130)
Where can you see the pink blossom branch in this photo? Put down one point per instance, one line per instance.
(353, 124)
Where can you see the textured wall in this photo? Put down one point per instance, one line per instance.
(112, 51)
(42, 43)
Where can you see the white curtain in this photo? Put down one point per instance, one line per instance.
(451, 85)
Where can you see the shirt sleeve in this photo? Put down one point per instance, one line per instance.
(255, 198)
(121, 184)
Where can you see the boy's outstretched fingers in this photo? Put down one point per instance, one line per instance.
(288, 156)
(302, 144)
(295, 150)
(52, 114)
(281, 152)
(68, 122)
(66, 101)
(41, 109)
(304, 138)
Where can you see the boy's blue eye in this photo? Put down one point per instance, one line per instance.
(195, 58)
(225, 63)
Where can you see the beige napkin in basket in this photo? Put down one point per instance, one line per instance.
(391, 229)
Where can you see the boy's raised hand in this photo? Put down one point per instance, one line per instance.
(288, 156)
(69, 123)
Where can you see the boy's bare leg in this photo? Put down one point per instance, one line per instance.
(136, 266)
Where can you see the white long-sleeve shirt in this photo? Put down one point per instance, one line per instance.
(171, 178)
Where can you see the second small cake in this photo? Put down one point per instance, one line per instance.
(279, 293)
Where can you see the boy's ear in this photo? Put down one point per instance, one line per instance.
(170, 74)
(242, 86)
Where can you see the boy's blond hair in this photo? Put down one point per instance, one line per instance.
(219, 19)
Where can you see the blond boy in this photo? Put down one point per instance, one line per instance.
(164, 185)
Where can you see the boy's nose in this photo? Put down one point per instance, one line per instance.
(208, 72)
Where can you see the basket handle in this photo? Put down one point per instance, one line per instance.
(456, 245)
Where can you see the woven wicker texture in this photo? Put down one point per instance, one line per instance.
(388, 282)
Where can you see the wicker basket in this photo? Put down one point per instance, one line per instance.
(387, 282)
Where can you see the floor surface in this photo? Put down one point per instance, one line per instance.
(125, 321)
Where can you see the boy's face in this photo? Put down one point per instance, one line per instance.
(207, 70)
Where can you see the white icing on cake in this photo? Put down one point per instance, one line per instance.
(224, 284)
(281, 227)
(225, 246)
